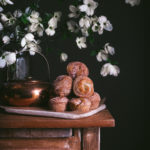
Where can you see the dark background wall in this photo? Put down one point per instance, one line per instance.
(125, 94)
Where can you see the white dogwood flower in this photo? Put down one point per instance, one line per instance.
(102, 20)
(8, 20)
(32, 47)
(6, 39)
(85, 22)
(1, 26)
(104, 23)
(2, 62)
(17, 13)
(54, 20)
(30, 44)
(5, 2)
(95, 27)
(50, 31)
(133, 2)
(52, 24)
(109, 69)
(84, 32)
(94, 19)
(109, 49)
(57, 15)
(75, 12)
(1, 9)
(40, 30)
(95, 24)
(72, 26)
(10, 57)
(4, 18)
(102, 55)
(63, 57)
(33, 27)
(34, 17)
(37, 27)
(29, 37)
(88, 6)
(81, 42)
(28, 10)
(100, 30)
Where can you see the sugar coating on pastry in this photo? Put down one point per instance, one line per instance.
(58, 104)
(83, 86)
(80, 104)
(62, 85)
(95, 100)
(59, 100)
(77, 68)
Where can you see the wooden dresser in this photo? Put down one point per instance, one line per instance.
(18, 132)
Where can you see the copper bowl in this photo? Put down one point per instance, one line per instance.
(25, 93)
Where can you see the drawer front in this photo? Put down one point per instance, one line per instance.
(58, 143)
(35, 133)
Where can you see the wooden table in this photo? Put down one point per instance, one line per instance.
(18, 132)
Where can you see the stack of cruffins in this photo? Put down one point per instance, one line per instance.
(75, 91)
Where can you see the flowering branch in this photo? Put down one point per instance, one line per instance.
(84, 23)
(25, 28)
(22, 27)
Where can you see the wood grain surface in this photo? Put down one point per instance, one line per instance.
(91, 139)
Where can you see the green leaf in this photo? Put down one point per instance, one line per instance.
(93, 53)
(24, 19)
(109, 61)
(48, 15)
(35, 5)
(91, 36)
(91, 40)
(90, 31)
(64, 36)
(13, 67)
(115, 63)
